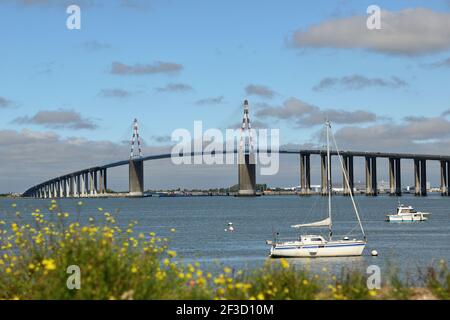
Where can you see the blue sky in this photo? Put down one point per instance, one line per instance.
(221, 47)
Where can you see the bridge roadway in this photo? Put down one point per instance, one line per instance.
(71, 180)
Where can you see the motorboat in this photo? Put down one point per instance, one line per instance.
(407, 214)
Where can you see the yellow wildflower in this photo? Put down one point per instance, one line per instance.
(172, 253)
(49, 264)
(284, 263)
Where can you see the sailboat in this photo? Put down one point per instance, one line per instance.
(310, 245)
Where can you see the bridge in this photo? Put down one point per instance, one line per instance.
(92, 182)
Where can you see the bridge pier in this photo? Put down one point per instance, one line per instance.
(374, 177)
(348, 172)
(305, 174)
(103, 181)
(55, 189)
(371, 176)
(82, 178)
(76, 185)
(423, 177)
(444, 178)
(448, 178)
(398, 177)
(136, 178)
(50, 190)
(93, 189)
(395, 185)
(61, 188)
(420, 175)
(247, 175)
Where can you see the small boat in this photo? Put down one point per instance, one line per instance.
(312, 246)
(407, 214)
(230, 227)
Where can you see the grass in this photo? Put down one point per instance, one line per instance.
(118, 263)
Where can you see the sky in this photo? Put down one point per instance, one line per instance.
(68, 97)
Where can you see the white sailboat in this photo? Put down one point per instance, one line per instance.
(310, 245)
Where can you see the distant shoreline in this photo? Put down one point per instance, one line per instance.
(174, 194)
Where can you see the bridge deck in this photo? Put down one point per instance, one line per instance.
(306, 152)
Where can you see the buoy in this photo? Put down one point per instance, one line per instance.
(374, 253)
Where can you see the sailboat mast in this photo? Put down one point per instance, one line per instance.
(329, 176)
(349, 187)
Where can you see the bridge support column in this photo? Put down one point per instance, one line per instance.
(136, 177)
(444, 176)
(67, 186)
(398, 177)
(374, 177)
(82, 185)
(86, 183)
(417, 177)
(75, 185)
(247, 175)
(55, 189)
(395, 182)
(87, 177)
(305, 174)
(448, 178)
(392, 176)
(347, 162)
(93, 183)
(423, 177)
(61, 188)
(420, 175)
(371, 176)
(103, 181)
(71, 186)
(50, 190)
(368, 176)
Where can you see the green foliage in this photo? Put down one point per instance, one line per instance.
(438, 281)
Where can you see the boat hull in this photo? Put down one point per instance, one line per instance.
(330, 249)
(397, 218)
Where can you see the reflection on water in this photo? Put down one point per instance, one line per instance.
(200, 224)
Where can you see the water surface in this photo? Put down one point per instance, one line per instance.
(200, 224)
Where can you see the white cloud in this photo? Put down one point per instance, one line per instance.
(408, 32)
(120, 68)
(358, 82)
(58, 119)
(260, 90)
(306, 115)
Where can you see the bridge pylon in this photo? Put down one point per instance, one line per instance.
(136, 165)
(246, 158)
